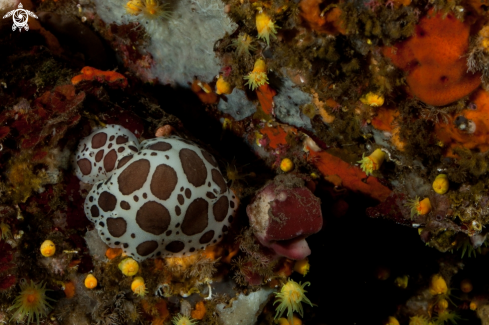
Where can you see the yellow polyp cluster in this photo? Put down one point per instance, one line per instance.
(442, 305)
(258, 77)
(391, 320)
(48, 248)
(466, 286)
(372, 162)
(441, 184)
(302, 266)
(5, 231)
(438, 285)
(129, 267)
(265, 27)
(151, 9)
(484, 35)
(418, 320)
(372, 99)
(291, 297)
(31, 302)
(295, 321)
(138, 286)
(223, 87)
(401, 281)
(473, 305)
(286, 165)
(182, 320)
(90, 281)
(419, 208)
(133, 7)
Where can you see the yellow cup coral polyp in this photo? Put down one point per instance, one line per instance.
(372, 99)
(129, 267)
(265, 27)
(372, 162)
(441, 184)
(90, 281)
(48, 248)
(291, 297)
(438, 285)
(419, 207)
(258, 77)
(223, 87)
(31, 302)
(138, 286)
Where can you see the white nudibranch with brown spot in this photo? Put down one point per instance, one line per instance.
(97, 154)
(168, 199)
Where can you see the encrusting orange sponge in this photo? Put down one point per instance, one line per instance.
(434, 60)
(328, 22)
(89, 73)
(477, 136)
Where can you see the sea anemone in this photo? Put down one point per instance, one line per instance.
(31, 302)
(243, 44)
(290, 297)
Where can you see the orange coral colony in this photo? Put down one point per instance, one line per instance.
(476, 132)
(434, 60)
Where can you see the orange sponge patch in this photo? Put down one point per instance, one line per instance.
(434, 60)
(452, 136)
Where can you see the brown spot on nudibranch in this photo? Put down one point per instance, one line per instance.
(207, 237)
(94, 211)
(196, 217)
(153, 217)
(163, 182)
(133, 177)
(188, 193)
(125, 205)
(160, 146)
(99, 140)
(107, 201)
(193, 167)
(116, 226)
(220, 208)
(146, 248)
(99, 155)
(219, 180)
(209, 158)
(175, 246)
(85, 166)
(110, 160)
(123, 161)
(121, 139)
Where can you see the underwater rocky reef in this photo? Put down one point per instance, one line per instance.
(244, 162)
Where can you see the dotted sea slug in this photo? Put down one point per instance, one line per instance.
(98, 153)
(168, 199)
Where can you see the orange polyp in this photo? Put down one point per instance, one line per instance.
(31, 298)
